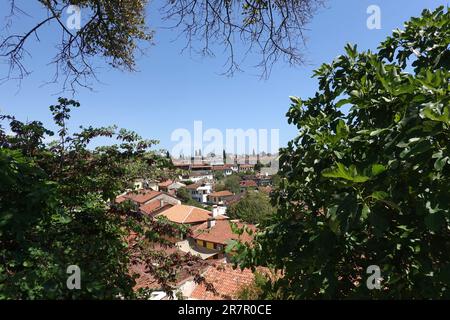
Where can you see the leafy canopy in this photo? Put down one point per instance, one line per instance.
(367, 179)
(56, 211)
(254, 207)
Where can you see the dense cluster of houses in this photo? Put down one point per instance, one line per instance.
(211, 230)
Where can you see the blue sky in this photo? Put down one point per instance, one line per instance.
(171, 90)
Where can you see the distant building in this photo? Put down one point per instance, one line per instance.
(269, 171)
(219, 197)
(227, 283)
(246, 185)
(200, 191)
(170, 186)
(263, 180)
(233, 199)
(216, 234)
(184, 214)
(163, 186)
(149, 202)
(226, 169)
(246, 168)
(146, 184)
(197, 177)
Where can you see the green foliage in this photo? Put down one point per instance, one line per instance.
(259, 289)
(113, 30)
(183, 194)
(254, 207)
(55, 212)
(232, 183)
(258, 166)
(371, 185)
(276, 179)
(218, 175)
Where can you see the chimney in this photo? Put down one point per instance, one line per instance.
(211, 223)
(215, 211)
(162, 203)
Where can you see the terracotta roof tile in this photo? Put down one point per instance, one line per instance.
(227, 283)
(224, 193)
(181, 213)
(233, 199)
(221, 232)
(248, 183)
(147, 280)
(193, 186)
(121, 199)
(165, 183)
(139, 196)
(150, 207)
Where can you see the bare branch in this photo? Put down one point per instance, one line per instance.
(115, 29)
(273, 29)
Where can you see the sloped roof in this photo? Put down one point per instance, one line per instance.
(155, 207)
(221, 232)
(184, 270)
(150, 207)
(177, 185)
(165, 183)
(224, 193)
(193, 186)
(248, 183)
(181, 213)
(140, 196)
(227, 283)
(233, 199)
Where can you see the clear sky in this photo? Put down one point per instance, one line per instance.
(172, 90)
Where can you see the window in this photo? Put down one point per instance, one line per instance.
(200, 243)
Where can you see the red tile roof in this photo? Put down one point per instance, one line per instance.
(193, 186)
(184, 270)
(150, 207)
(221, 168)
(161, 209)
(121, 199)
(181, 213)
(233, 199)
(139, 196)
(248, 183)
(227, 283)
(165, 183)
(224, 193)
(221, 232)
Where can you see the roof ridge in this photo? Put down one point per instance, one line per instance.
(185, 218)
